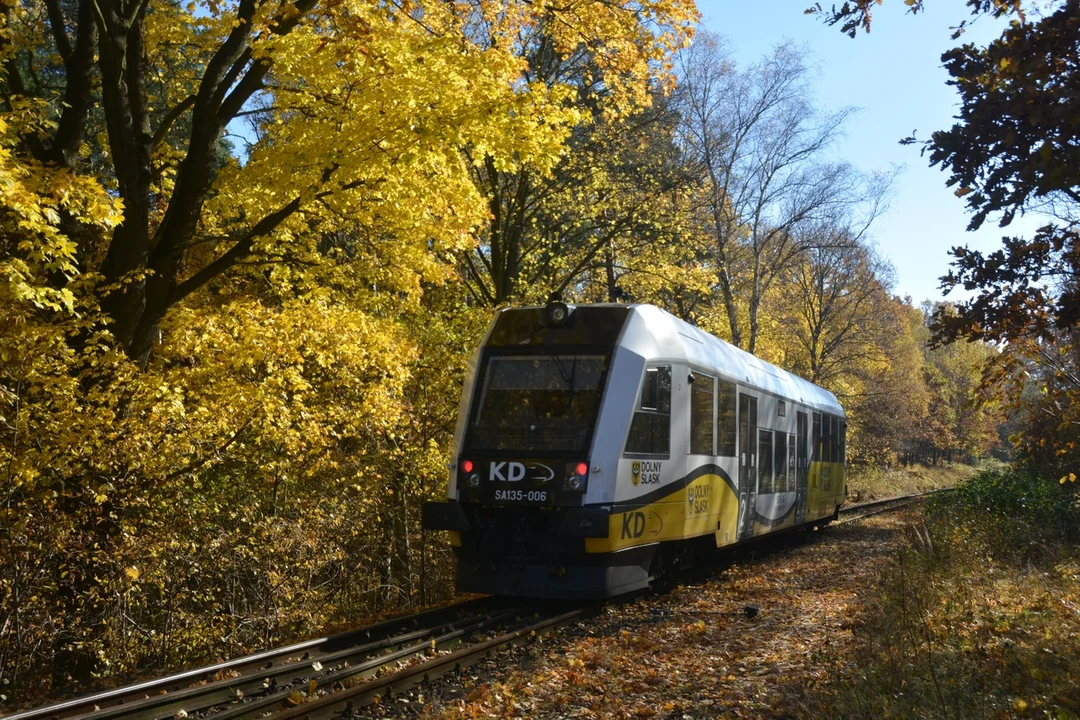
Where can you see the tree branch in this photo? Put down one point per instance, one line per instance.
(241, 249)
(58, 25)
(171, 117)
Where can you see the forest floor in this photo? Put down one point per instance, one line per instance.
(965, 613)
(692, 652)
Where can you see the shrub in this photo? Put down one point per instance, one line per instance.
(1010, 514)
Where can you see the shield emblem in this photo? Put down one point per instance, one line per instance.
(636, 473)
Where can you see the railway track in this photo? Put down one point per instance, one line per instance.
(869, 509)
(356, 666)
(332, 677)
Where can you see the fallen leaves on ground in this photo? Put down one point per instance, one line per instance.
(693, 652)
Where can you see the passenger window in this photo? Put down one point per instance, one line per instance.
(834, 447)
(726, 419)
(793, 467)
(765, 462)
(781, 475)
(843, 442)
(650, 391)
(818, 450)
(650, 430)
(701, 415)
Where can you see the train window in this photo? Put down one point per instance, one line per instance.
(650, 391)
(780, 476)
(701, 415)
(830, 439)
(765, 462)
(747, 442)
(834, 438)
(781, 408)
(538, 403)
(801, 448)
(843, 442)
(836, 457)
(816, 452)
(650, 429)
(793, 467)
(826, 439)
(726, 404)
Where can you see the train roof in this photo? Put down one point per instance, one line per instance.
(709, 351)
(665, 335)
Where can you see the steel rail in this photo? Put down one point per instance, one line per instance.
(262, 690)
(343, 684)
(345, 701)
(877, 507)
(255, 664)
(344, 674)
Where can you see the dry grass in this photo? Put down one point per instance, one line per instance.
(877, 483)
(974, 641)
(978, 616)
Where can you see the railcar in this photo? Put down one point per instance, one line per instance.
(601, 446)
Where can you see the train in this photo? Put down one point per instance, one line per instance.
(602, 447)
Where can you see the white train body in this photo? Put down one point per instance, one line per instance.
(596, 452)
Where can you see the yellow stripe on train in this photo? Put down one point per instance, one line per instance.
(707, 505)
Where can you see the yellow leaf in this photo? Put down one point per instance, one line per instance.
(132, 573)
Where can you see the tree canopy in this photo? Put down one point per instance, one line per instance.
(1016, 149)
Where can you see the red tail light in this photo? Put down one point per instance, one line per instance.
(467, 466)
(582, 469)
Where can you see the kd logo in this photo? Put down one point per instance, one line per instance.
(633, 525)
(515, 471)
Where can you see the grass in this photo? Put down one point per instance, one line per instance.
(979, 616)
(866, 483)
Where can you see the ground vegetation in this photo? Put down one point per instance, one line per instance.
(976, 615)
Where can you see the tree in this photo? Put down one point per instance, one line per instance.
(546, 230)
(854, 15)
(1016, 149)
(888, 401)
(837, 293)
(338, 134)
(964, 416)
(208, 352)
(757, 145)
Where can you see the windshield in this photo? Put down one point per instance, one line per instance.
(538, 403)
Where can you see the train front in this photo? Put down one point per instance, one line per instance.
(516, 510)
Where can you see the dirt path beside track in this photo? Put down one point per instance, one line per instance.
(692, 652)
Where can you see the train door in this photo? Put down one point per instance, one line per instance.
(748, 436)
(802, 464)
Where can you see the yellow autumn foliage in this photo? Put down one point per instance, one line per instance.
(230, 332)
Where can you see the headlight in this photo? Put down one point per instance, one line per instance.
(575, 482)
(474, 481)
(557, 312)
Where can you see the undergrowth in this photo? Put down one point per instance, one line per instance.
(875, 482)
(979, 615)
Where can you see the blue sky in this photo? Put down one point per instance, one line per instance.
(894, 76)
